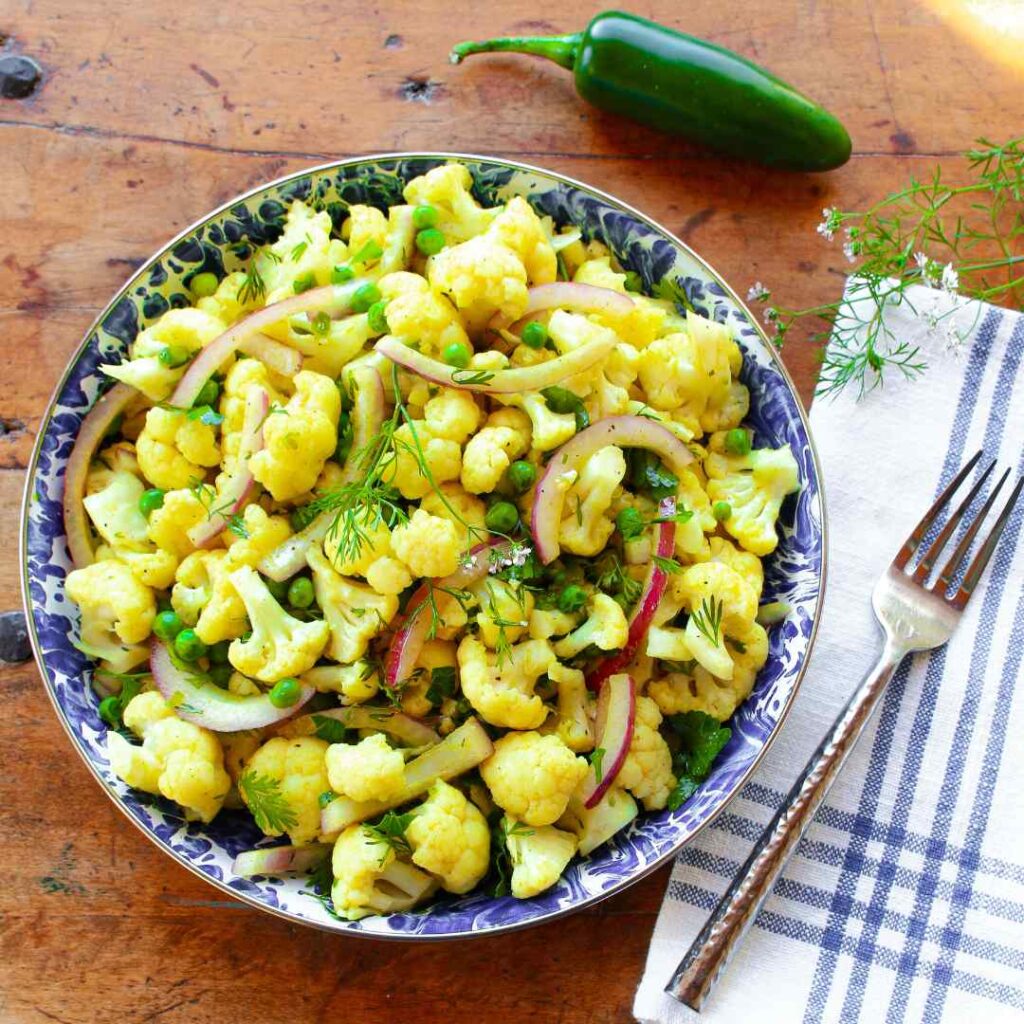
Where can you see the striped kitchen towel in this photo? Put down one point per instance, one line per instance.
(905, 901)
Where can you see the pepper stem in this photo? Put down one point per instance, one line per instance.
(561, 49)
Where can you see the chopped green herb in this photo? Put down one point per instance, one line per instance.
(329, 729)
(702, 739)
(263, 797)
(708, 619)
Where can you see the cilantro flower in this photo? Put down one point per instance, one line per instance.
(758, 293)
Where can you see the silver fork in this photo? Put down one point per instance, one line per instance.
(914, 616)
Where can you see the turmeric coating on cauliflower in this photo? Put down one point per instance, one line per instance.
(358, 583)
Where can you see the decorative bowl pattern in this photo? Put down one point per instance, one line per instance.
(795, 573)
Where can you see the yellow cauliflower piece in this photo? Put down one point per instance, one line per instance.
(538, 856)
(647, 770)
(606, 627)
(367, 770)
(450, 501)
(743, 562)
(435, 654)
(374, 541)
(503, 694)
(519, 228)
(532, 776)
(388, 575)
(304, 249)
(486, 457)
(428, 545)
(586, 525)
(450, 838)
(548, 622)
(415, 443)
(177, 759)
(297, 442)
(691, 542)
(447, 188)
(418, 314)
(452, 414)
(574, 708)
(754, 485)
(282, 783)
(162, 445)
(263, 534)
(169, 525)
(204, 597)
(505, 609)
(354, 683)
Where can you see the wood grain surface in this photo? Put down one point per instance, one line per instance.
(150, 114)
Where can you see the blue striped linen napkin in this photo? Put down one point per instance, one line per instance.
(905, 901)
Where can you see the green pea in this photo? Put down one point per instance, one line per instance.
(321, 323)
(424, 216)
(572, 599)
(167, 625)
(561, 400)
(300, 592)
(630, 522)
(634, 282)
(501, 517)
(204, 285)
(430, 241)
(188, 646)
(208, 394)
(521, 475)
(174, 355)
(534, 334)
(219, 652)
(285, 692)
(220, 675)
(737, 442)
(110, 711)
(377, 318)
(303, 283)
(456, 354)
(326, 797)
(278, 590)
(341, 274)
(150, 501)
(364, 297)
(721, 510)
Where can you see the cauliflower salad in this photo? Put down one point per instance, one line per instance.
(427, 539)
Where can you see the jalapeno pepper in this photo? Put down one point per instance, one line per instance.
(687, 86)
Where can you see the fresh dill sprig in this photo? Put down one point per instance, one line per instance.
(390, 833)
(264, 798)
(967, 239)
(253, 288)
(669, 565)
(708, 619)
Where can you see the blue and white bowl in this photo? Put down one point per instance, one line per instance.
(794, 573)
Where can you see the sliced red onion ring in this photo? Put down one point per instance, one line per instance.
(647, 605)
(275, 355)
(616, 715)
(498, 382)
(626, 431)
(329, 298)
(395, 723)
(582, 298)
(239, 486)
(280, 860)
(202, 703)
(94, 428)
(367, 418)
(415, 625)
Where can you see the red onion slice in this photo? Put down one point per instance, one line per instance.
(498, 382)
(93, 430)
(273, 354)
(239, 487)
(581, 298)
(367, 418)
(647, 605)
(616, 715)
(625, 431)
(280, 860)
(202, 703)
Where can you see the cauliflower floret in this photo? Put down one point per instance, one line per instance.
(574, 726)
(297, 442)
(435, 654)
(304, 250)
(596, 825)
(177, 759)
(354, 683)
(415, 443)
(429, 545)
(466, 511)
(503, 693)
(505, 609)
(452, 414)
(447, 188)
(117, 611)
(606, 628)
(388, 575)
(242, 378)
(282, 783)
(547, 429)
(538, 856)
(173, 450)
(548, 622)
(647, 770)
(260, 534)
(586, 525)
(417, 314)
(700, 691)
(354, 613)
(204, 597)
(374, 537)
(238, 747)
(691, 542)
(481, 277)
(488, 454)
(449, 838)
(183, 331)
(743, 562)
(519, 228)
(280, 646)
(532, 776)
(367, 770)
(601, 396)
(754, 485)
(360, 861)
(169, 525)
(667, 643)
(648, 317)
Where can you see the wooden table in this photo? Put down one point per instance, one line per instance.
(148, 116)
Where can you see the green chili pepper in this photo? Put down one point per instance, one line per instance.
(687, 86)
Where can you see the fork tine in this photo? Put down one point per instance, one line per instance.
(922, 572)
(950, 569)
(981, 559)
(922, 527)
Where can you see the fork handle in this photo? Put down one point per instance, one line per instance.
(700, 969)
